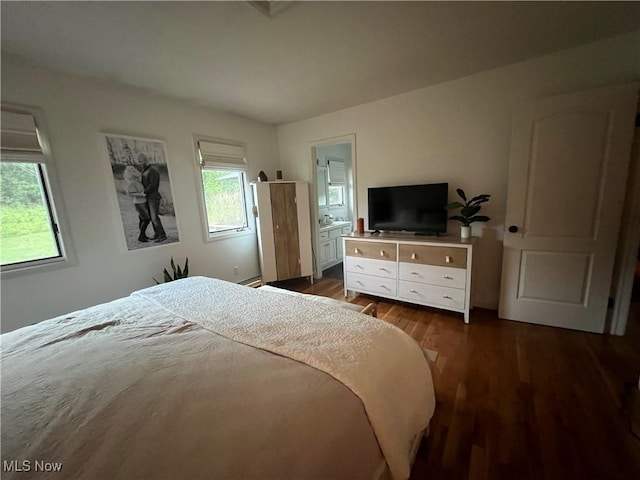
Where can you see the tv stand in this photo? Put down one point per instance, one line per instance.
(435, 272)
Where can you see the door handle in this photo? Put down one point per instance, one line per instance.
(513, 228)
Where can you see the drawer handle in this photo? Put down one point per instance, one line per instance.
(359, 266)
(359, 282)
(383, 269)
(384, 286)
(447, 259)
(356, 250)
(447, 297)
(413, 291)
(414, 273)
(414, 256)
(447, 277)
(382, 254)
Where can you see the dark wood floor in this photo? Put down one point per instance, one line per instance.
(518, 401)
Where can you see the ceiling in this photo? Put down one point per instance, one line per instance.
(306, 58)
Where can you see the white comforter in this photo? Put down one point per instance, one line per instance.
(166, 384)
(377, 361)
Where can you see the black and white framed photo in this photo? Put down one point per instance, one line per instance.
(143, 188)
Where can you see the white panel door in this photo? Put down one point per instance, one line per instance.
(567, 176)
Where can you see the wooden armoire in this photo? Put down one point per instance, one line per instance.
(284, 229)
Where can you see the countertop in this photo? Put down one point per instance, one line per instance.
(324, 228)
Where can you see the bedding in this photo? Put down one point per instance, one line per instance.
(201, 378)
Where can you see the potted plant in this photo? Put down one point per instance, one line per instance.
(178, 272)
(468, 211)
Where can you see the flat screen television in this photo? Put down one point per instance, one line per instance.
(411, 208)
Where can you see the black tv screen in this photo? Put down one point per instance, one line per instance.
(411, 208)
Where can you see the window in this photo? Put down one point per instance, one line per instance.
(29, 231)
(224, 192)
(336, 195)
(337, 181)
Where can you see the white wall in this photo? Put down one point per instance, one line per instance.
(76, 111)
(459, 132)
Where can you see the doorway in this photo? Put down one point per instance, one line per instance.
(558, 254)
(626, 275)
(333, 200)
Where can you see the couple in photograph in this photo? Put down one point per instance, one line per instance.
(143, 183)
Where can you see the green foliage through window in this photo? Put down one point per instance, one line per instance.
(26, 231)
(224, 199)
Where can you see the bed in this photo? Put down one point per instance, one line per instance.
(202, 378)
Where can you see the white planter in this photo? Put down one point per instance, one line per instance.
(465, 232)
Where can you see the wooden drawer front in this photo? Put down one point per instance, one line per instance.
(428, 255)
(369, 266)
(432, 294)
(370, 284)
(445, 276)
(378, 250)
(324, 236)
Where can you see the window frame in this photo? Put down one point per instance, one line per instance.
(53, 201)
(231, 233)
(341, 187)
(341, 184)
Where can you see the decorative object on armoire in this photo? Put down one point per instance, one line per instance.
(278, 174)
(284, 229)
(360, 229)
(178, 272)
(468, 211)
(262, 177)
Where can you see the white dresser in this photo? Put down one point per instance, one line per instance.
(432, 271)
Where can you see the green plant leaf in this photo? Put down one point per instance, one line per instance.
(453, 205)
(484, 197)
(479, 218)
(461, 194)
(157, 282)
(479, 201)
(459, 218)
(186, 268)
(173, 267)
(167, 277)
(470, 210)
(178, 273)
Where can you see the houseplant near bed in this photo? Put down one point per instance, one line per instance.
(178, 272)
(468, 211)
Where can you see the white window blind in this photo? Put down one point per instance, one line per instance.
(337, 174)
(19, 139)
(215, 154)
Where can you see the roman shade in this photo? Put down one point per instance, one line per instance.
(19, 137)
(216, 154)
(337, 175)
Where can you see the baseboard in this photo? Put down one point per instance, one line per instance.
(250, 281)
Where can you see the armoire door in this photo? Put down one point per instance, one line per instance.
(285, 230)
(567, 177)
